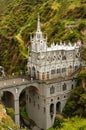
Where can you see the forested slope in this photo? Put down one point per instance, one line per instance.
(18, 18)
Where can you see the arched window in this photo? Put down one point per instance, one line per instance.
(33, 68)
(53, 71)
(64, 96)
(33, 72)
(64, 87)
(57, 98)
(58, 70)
(51, 100)
(44, 109)
(52, 90)
(72, 86)
(76, 67)
(70, 67)
(63, 70)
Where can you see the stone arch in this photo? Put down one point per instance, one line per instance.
(8, 98)
(27, 100)
(16, 91)
(30, 88)
(34, 89)
(58, 107)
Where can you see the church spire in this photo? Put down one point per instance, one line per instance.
(38, 25)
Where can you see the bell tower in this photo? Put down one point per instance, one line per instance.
(38, 42)
(38, 49)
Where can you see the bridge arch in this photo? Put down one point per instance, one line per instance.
(27, 97)
(8, 99)
(16, 89)
(26, 86)
(30, 89)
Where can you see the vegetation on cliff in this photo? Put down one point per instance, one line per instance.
(5, 121)
(74, 123)
(18, 18)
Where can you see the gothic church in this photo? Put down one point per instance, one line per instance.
(53, 68)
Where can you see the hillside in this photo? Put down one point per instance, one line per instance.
(5, 121)
(18, 18)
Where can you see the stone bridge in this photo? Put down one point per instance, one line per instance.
(15, 86)
(44, 97)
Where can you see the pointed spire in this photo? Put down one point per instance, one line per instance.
(38, 25)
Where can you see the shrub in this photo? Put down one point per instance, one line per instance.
(10, 112)
(57, 123)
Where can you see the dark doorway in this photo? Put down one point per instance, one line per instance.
(33, 72)
(58, 107)
(52, 110)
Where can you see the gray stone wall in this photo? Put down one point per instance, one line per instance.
(43, 105)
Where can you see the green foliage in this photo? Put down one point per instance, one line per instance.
(83, 53)
(82, 74)
(74, 123)
(23, 112)
(57, 123)
(8, 122)
(82, 26)
(10, 112)
(18, 18)
(76, 103)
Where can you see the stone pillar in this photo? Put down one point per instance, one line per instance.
(1, 94)
(16, 108)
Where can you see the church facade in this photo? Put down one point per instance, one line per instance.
(53, 67)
